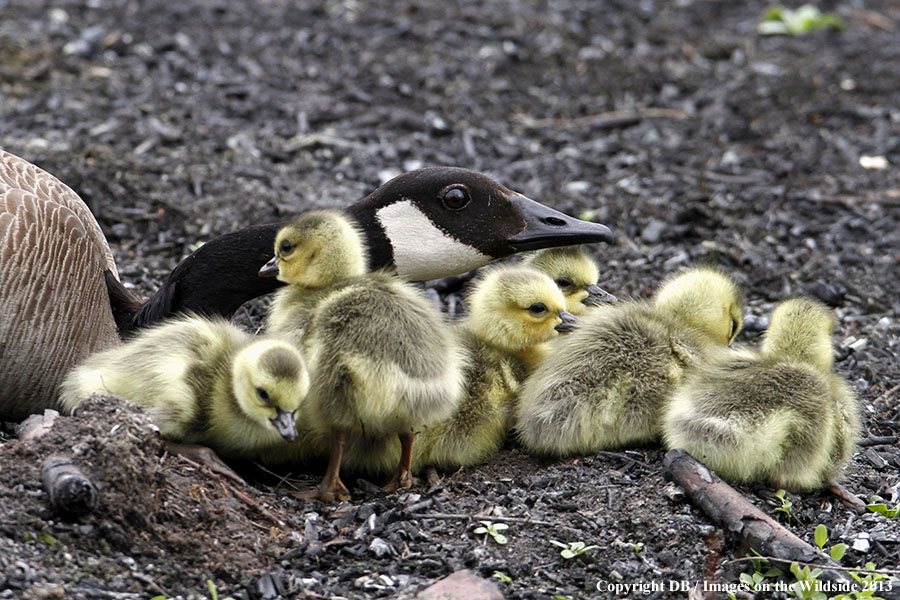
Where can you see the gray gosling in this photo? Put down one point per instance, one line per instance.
(576, 274)
(514, 311)
(383, 362)
(604, 386)
(777, 415)
(203, 381)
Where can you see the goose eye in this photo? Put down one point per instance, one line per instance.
(286, 247)
(537, 308)
(564, 283)
(455, 198)
(263, 395)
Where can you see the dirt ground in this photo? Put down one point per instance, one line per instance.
(672, 122)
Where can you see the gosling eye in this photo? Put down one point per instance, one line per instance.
(286, 247)
(455, 197)
(537, 309)
(562, 282)
(263, 395)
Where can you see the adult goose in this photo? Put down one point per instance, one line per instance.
(60, 297)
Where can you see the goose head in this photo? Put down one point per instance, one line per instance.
(516, 308)
(441, 221)
(270, 381)
(705, 298)
(576, 274)
(801, 329)
(317, 249)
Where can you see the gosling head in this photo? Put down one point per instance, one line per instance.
(576, 274)
(801, 329)
(705, 298)
(270, 381)
(317, 249)
(518, 307)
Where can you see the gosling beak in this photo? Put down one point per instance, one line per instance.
(547, 228)
(270, 269)
(597, 296)
(284, 423)
(569, 322)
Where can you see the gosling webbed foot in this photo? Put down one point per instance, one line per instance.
(326, 491)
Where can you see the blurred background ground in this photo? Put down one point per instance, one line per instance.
(672, 122)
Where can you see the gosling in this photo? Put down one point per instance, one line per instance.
(604, 386)
(514, 311)
(203, 381)
(576, 274)
(777, 415)
(383, 361)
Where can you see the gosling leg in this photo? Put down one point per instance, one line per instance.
(331, 487)
(402, 479)
(205, 456)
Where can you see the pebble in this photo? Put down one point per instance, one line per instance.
(462, 585)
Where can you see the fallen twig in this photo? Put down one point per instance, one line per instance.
(463, 517)
(806, 564)
(728, 508)
(262, 510)
(878, 440)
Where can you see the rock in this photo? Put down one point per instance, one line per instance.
(462, 585)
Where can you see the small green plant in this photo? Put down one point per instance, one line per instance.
(762, 570)
(493, 530)
(807, 586)
(868, 583)
(572, 549)
(502, 577)
(213, 592)
(878, 505)
(786, 504)
(780, 20)
(821, 536)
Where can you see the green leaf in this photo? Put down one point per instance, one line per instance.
(837, 551)
(500, 526)
(821, 535)
(560, 544)
(212, 590)
(500, 539)
(567, 554)
(747, 579)
(480, 530)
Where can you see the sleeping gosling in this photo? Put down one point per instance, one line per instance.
(778, 415)
(383, 362)
(576, 274)
(203, 381)
(514, 311)
(604, 385)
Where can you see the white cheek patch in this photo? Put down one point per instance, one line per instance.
(421, 250)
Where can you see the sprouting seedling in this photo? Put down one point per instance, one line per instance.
(780, 20)
(786, 504)
(572, 549)
(807, 586)
(878, 505)
(493, 530)
(502, 577)
(762, 570)
(821, 536)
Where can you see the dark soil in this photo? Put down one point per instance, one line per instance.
(673, 122)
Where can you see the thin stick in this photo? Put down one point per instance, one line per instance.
(878, 440)
(262, 510)
(819, 565)
(462, 517)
